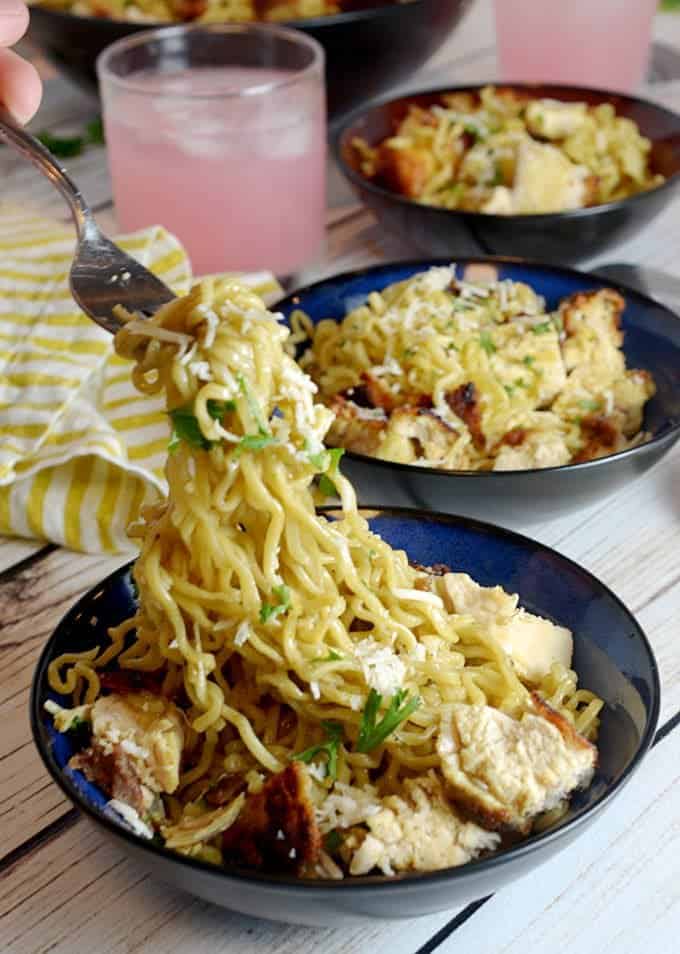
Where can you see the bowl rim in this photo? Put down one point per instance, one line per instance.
(537, 218)
(332, 19)
(671, 434)
(370, 883)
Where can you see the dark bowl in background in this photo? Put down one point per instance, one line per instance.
(611, 655)
(517, 498)
(367, 50)
(560, 237)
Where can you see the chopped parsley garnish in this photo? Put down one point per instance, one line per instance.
(520, 383)
(329, 746)
(326, 461)
(528, 359)
(486, 342)
(263, 437)
(410, 352)
(95, 132)
(589, 405)
(333, 840)
(272, 610)
(185, 426)
(66, 147)
(373, 733)
(333, 656)
(327, 487)
(558, 323)
(452, 346)
(543, 328)
(509, 389)
(76, 723)
(498, 178)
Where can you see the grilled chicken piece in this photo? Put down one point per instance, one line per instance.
(136, 748)
(406, 170)
(602, 437)
(554, 119)
(464, 402)
(505, 771)
(276, 830)
(354, 428)
(419, 831)
(534, 644)
(592, 325)
(631, 392)
(545, 181)
(414, 434)
(538, 448)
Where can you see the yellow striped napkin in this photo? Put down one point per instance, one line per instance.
(80, 449)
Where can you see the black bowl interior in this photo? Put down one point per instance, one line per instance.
(368, 48)
(651, 333)
(612, 657)
(377, 122)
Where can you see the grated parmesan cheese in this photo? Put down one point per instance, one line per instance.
(383, 670)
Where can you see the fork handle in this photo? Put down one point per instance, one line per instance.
(30, 147)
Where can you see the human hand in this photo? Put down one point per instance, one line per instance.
(20, 87)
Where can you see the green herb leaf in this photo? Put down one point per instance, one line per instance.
(498, 178)
(529, 360)
(63, 147)
(185, 428)
(329, 746)
(254, 442)
(373, 733)
(272, 610)
(327, 487)
(95, 132)
(333, 840)
(486, 342)
(509, 389)
(251, 401)
(332, 656)
(558, 323)
(76, 723)
(217, 409)
(589, 405)
(543, 328)
(520, 383)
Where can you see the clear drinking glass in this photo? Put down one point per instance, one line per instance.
(602, 43)
(219, 134)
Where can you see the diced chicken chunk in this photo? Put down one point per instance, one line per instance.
(538, 449)
(354, 429)
(554, 119)
(592, 325)
(534, 644)
(276, 829)
(506, 771)
(413, 434)
(149, 729)
(545, 181)
(487, 604)
(630, 393)
(419, 831)
(406, 170)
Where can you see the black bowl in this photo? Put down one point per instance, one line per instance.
(518, 498)
(611, 655)
(560, 237)
(367, 50)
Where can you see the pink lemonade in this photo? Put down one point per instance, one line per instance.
(239, 179)
(602, 43)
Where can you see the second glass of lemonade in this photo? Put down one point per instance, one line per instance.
(218, 133)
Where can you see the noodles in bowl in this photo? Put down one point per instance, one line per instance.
(291, 694)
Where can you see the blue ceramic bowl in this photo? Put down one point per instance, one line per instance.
(612, 657)
(562, 237)
(517, 498)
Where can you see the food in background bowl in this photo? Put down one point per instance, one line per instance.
(504, 152)
(210, 11)
(291, 695)
(477, 375)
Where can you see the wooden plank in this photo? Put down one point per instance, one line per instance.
(13, 551)
(31, 604)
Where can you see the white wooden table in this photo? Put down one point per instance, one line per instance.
(63, 888)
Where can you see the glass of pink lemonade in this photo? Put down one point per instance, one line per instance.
(601, 43)
(218, 133)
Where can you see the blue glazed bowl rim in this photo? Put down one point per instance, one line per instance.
(548, 219)
(668, 436)
(371, 883)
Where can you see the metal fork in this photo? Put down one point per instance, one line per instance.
(102, 275)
